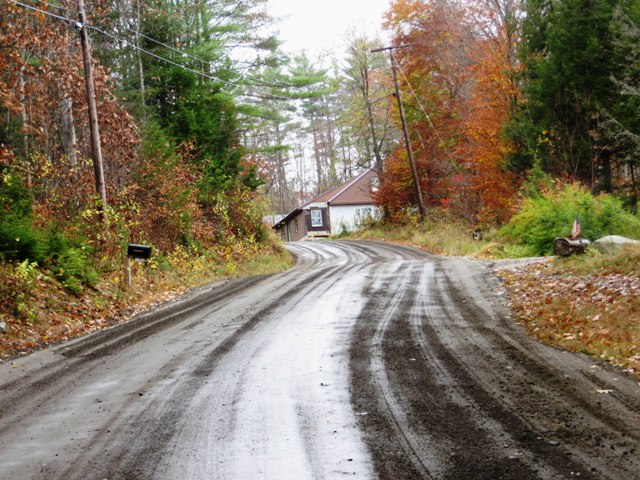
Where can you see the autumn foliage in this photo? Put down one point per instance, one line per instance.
(176, 176)
(457, 84)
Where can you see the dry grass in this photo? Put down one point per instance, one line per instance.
(442, 238)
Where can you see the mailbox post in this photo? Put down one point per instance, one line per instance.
(140, 253)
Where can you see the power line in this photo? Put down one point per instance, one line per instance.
(256, 82)
(78, 25)
(405, 129)
(442, 144)
(202, 74)
(46, 12)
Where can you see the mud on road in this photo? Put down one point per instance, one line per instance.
(365, 361)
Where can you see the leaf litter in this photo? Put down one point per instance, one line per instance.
(595, 312)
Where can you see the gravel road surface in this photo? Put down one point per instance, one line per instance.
(367, 361)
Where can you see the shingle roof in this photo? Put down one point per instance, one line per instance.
(354, 191)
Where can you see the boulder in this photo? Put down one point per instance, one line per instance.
(612, 243)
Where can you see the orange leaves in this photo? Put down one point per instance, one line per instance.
(595, 313)
(457, 80)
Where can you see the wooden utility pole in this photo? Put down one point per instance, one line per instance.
(405, 129)
(96, 150)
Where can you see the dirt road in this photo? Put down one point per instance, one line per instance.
(365, 361)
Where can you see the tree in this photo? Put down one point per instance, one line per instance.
(493, 91)
(622, 119)
(367, 91)
(567, 54)
(433, 74)
(458, 77)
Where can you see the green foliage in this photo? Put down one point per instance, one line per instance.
(578, 116)
(542, 219)
(19, 240)
(15, 199)
(567, 51)
(74, 269)
(538, 181)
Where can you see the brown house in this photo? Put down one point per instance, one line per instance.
(345, 207)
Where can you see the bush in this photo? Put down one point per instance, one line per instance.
(544, 218)
(74, 269)
(19, 240)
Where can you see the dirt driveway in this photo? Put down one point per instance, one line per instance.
(365, 361)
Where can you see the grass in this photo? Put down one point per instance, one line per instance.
(437, 237)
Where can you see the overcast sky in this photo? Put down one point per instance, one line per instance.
(323, 25)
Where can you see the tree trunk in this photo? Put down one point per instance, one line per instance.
(316, 151)
(139, 53)
(68, 130)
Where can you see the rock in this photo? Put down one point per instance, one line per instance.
(612, 243)
(3, 327)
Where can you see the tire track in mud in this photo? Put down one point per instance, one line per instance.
(56, 377)
(503, 446)
(396, 446)
(59, 375)
(148, 429)
(412, 442)
(443, 384)
(561, 420)
(52, 379)
(416, 430)
(451, 389)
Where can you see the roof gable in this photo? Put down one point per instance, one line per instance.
(355, 191)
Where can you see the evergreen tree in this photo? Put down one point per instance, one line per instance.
(567, 54)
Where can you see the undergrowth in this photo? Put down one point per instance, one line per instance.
(39, 307)
(447, 238)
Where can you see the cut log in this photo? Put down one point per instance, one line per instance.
(564, 247)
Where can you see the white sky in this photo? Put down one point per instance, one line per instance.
(319, 26)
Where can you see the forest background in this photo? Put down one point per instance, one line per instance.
(522, 115)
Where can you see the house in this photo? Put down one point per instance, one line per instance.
(345, 207)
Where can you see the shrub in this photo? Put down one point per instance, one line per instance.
(542, 219)
(74, 269)
(19, 240)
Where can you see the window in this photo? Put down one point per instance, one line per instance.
(295, 225)
(316, 218)
(375, 184)
(363, 214)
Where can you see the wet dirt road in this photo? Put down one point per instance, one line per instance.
(365, 361)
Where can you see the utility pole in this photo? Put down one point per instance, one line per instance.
(405, 129)
(96, 150)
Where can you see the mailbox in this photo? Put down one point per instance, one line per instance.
(141, 252)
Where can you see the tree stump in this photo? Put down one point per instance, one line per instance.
(564, 247)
